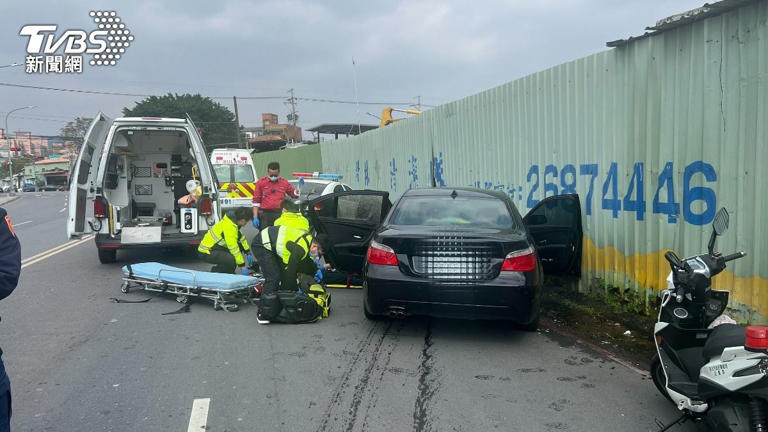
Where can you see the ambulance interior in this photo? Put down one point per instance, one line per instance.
(146, 174)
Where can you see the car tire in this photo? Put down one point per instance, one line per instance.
(531, 326)
(107, 256)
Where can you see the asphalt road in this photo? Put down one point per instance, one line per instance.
(80, 362)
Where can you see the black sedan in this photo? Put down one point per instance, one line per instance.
(459, 253)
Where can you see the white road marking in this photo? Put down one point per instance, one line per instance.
(53, 251)
(198, 420)
(22, 223)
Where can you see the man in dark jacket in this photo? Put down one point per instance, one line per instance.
(10, 267)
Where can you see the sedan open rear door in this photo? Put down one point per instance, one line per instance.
(348, 219)
(81, 187)
(555, 225)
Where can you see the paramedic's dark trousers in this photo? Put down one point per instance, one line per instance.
(223, 261)
(268, 218)
(269, 304)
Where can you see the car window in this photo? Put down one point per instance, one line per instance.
(242, 173)
(553, 212)
(338, 188)
(313, 188)
(470, 212)
(360, 207)
(223, 173)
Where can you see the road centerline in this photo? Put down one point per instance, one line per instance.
(198, 419)
(53, 251)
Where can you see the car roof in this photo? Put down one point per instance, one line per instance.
(460, 191)
(315, 180)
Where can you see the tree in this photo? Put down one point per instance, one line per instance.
(75, 130)
(215, 121)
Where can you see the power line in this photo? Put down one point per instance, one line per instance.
(74, 90)
(321, 100)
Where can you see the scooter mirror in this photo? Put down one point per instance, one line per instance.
(673, 259)
(720, 224)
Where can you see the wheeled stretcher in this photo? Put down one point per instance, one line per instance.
(227, 291)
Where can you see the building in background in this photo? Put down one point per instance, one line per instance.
(336, 129)
(274, 135)
(48, 172)
(29, 144)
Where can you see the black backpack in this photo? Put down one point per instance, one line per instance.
(298, 308)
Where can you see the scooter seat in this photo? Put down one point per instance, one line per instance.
(723, 336)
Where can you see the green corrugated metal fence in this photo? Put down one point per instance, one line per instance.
(307, 158)
(654, 136)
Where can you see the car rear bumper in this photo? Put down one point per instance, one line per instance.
(104, 241)
(510, 296)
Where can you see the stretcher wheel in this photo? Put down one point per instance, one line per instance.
(182, 299)
(217, 306)
(230, 307)
(124, 288)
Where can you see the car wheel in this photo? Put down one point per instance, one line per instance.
(107, 256)
(531, 326)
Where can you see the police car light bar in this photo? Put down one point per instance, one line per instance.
(316, 175)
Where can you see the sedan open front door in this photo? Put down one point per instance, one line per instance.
(348, 219)
(555, 225)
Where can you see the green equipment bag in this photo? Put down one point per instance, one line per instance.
(321, 296)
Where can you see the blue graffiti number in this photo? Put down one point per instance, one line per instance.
(569, 186)
(533, 171)
(550, 187)
(699, 193)
(636, 205)
(592, 171)
(611, 182)
(670, 207)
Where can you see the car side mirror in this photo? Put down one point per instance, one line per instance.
(536, 220)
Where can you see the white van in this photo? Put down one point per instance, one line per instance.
(133, 170)
(236, 175)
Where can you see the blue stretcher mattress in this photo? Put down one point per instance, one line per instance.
(193, 278)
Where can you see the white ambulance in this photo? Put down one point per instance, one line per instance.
(236, 175)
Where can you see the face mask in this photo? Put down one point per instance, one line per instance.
(273, 178)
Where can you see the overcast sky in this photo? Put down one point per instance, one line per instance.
(439, 50)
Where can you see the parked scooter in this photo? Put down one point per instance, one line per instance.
(718, 376)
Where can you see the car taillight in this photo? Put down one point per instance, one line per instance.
(99, 208)
(757, 338)
(206, 207)
(381, 255)
(520, 261)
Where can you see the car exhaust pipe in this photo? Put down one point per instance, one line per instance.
(396, 312)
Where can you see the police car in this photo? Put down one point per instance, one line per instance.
(313, 185)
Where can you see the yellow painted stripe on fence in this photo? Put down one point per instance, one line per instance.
(651, 270)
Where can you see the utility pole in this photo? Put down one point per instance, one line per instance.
(10, 161)
(418, 103)
(237, 124)
(292, 101)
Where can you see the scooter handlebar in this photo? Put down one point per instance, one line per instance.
(732, 257)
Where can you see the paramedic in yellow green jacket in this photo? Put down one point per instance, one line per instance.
(282, 252)
(292, 219)
(225, 246)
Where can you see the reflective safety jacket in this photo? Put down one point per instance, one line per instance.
(225, 234)
(278, 237)
(293, 220)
